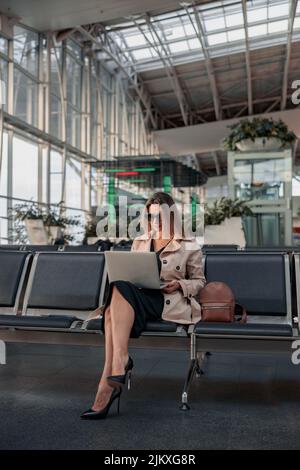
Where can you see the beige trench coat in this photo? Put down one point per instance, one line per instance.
(181, 260)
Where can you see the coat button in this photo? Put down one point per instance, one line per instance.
(168, 302)
(165, 261)
(177, 267)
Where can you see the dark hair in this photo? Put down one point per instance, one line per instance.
(163, 198)
(160, 198)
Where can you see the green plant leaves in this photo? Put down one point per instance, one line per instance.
(258, 127)
(225, 208)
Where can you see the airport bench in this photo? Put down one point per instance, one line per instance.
(261, 283)
(49, 297)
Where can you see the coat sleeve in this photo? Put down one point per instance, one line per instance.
(195, 274)
(133, 246)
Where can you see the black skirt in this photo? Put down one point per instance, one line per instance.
(147, 304)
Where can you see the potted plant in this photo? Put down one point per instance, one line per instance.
(223, 221)
(90, 235)
(32, 216)
(57, 224)
(259, 134)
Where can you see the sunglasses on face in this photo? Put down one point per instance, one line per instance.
(154, 217)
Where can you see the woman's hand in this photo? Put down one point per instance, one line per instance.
(172, 286)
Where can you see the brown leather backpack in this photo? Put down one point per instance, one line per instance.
(218, 304)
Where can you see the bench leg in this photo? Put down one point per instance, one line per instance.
(184, 397)
(200, 362)
(194, 365)
(2, 352)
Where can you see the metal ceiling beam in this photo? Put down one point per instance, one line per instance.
(217, 163)
(247, 56)
(169, 68)
(208, 62)
(233, 105)
(144, 90)
(292, 13)
(184, 90)
(113, 57)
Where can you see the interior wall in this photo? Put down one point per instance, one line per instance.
(209, 136)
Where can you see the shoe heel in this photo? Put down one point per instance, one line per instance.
(129, 380)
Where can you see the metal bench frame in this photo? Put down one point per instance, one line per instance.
(181, 340)
(241, 343)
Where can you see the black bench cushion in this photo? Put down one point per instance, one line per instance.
(257, 279)
(49, 321)
(11, 267)
(255, 329)
(67, 281)
(157, 326)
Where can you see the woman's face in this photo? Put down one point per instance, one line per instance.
(154, 217)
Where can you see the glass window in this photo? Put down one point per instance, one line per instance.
(3, 84)
(3, 192)
(179, 46)
(297, 23)
(56, 169)
(194, 44)
(215, 24)
(74, 48)
(140, 54)
(278, 26)
(73, 183)
(276, 11)
(259, 30)
(235, 19)
(25, 168)
(219, 38)
(3, 46)
(25, 97)
(73, 82)
(26, 44)
(236, 35)
(257, 14)
(73, 126)
(55, 116)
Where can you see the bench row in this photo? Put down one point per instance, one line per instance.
(62, 290)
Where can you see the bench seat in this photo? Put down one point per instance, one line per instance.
(152, 326)
(30, 321)
(251, 329)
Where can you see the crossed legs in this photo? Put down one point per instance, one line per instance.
(119, 318)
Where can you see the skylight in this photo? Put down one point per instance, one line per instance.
(219, 26)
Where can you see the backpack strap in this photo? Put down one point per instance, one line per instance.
(243, 318)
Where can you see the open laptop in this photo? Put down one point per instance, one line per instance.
(140, 268)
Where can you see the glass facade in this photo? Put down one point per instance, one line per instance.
(60, 105)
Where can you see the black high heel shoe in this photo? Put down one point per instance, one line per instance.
(120, 380)
(101, 414)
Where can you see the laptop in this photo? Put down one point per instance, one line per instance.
(138, 267)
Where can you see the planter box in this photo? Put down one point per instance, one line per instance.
(55, 232)
(230, 231)
(36, 232)
(259, 144)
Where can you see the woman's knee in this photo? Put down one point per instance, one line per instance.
(107, 314)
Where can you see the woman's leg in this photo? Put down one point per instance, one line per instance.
(104, 390)
(122, 318)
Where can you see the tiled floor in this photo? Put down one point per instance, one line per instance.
(242, 402)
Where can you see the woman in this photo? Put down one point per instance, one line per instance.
(128, 308)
